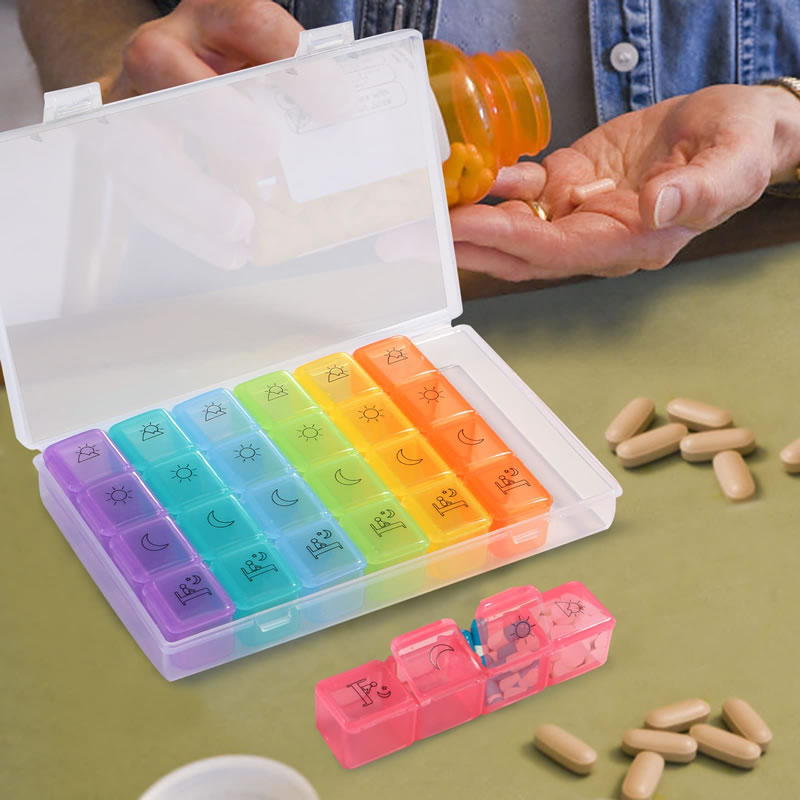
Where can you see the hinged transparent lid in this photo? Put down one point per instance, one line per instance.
(164, 244)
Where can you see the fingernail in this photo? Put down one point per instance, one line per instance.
(668, 204)
(508, 172)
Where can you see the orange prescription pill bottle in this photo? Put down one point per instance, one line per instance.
(494, 109)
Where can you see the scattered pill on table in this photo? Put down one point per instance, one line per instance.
(725, 746)
(651, 445)
(633, 419)
(705, 445)
(733, 475)
(790, 456)
(745, 721)
(677, 747)
(564, 748)
(580, 194)
(678, 716)
(643, 776)
(698, 416)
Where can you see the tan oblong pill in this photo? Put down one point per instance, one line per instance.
(725, 746)
(677, 747)
(582, 192)
(651, 445)
(705, 445)
(566, 749)
(633, 419)
(643, 776)
(743, 719)
(733, 475)
(698, 416)
(790, 456)
(678, 716)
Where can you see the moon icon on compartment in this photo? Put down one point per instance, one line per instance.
(345, 481)
(282, 501)
(436, 653)
(212, 520)
(148, 544)
(405, 460)
(384, 692)
(464, 439)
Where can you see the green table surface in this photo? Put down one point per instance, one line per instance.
(704, 591)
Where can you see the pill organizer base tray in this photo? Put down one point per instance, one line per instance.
(584, 502)
(113, 305)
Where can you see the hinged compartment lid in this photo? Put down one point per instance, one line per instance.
(169, 243)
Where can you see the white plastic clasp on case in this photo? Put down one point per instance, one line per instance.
(71, 101)
(329, 37)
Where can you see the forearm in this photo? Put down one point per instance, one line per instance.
(78, 41)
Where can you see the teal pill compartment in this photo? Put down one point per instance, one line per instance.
(150, 437)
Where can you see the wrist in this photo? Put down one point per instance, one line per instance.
(786, 137)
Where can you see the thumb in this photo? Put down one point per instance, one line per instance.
(713, 186)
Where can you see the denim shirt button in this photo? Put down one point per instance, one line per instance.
(624, 57)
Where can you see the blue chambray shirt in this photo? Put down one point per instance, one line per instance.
(683, 45)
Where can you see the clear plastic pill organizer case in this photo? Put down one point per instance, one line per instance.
(227, 324)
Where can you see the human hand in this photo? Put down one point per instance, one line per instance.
(201, 39)
(681, 167)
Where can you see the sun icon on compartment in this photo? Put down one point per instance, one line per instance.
(214, 410)
(247, 452)
(522, 628)
(86, 452)
(309, 432)
(371, 414)
(183, 473)
(336, 373)
(118, 494)
(430, 395)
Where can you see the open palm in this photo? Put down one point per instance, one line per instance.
(681, 166)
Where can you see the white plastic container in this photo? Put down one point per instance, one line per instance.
(232, 778)
(201, 236)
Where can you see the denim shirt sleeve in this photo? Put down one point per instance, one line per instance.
(684, 45)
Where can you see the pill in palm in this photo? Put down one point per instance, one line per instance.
(580, 194)
(677, 747)
(651, 445)
(698, 416)
(725, 746)
(565, 749)
(790, 456)
(705, 445)
(678, 716)
(744, 720)
(733, 475)
(635, 417)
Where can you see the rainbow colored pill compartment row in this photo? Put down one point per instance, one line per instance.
(438, 676)
(233, 503)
